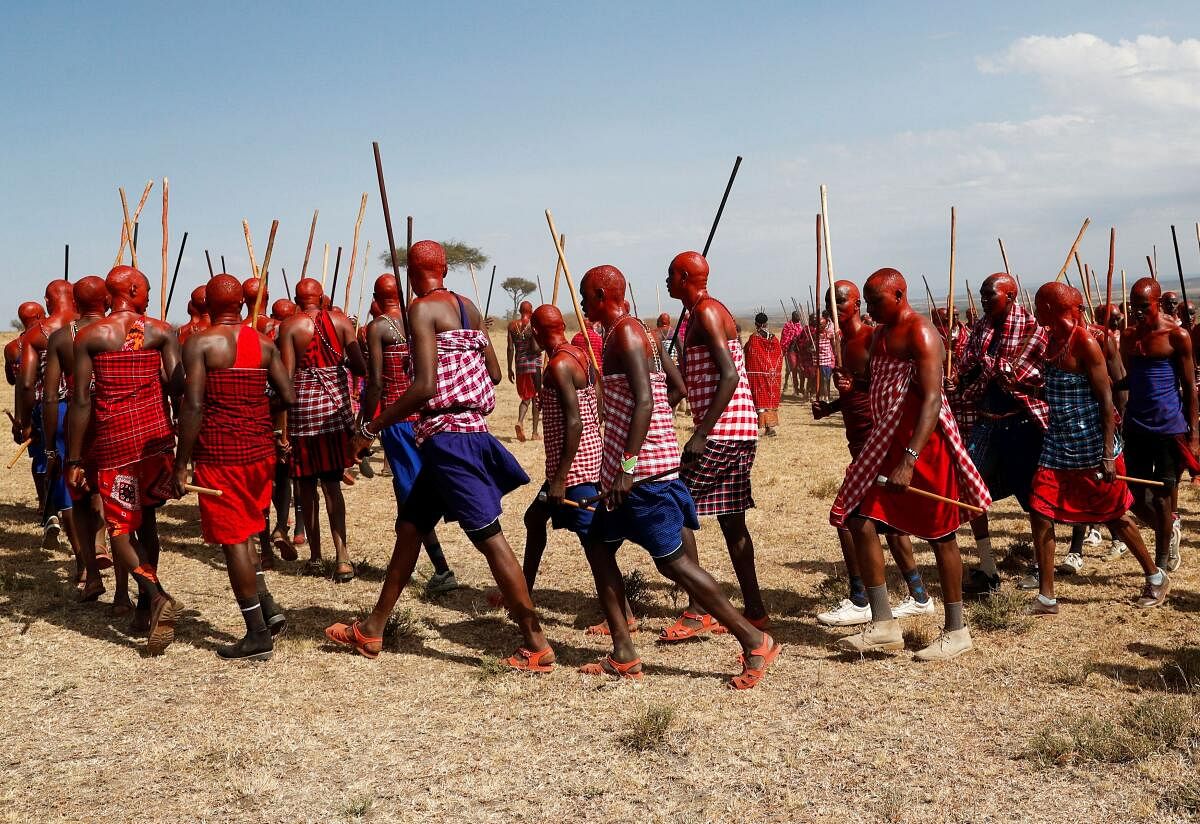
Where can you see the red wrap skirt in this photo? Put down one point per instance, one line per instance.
(236, 516)
(1077, 496)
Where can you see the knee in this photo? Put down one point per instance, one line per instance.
(481, 537)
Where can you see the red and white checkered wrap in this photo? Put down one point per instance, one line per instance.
(464, 394)
(585, 468)
(322, 402)
(529, 362)
(396, 379)
(739, 421)
(891, 379)
(719, 479)
(660, 449)
(129, 410)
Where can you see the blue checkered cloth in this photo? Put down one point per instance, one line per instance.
(1075, 437)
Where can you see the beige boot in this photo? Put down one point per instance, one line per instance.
(876, 637)
(950, 644)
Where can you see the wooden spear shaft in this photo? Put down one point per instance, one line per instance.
(312, 230)
(67, 262)
(127, 233)
(1179, 267)
(1074, 246)
(475, 282)
(208, 257)
(175, 276)
(262, 278)
(324, 267)
(128, 226)
(583, 327)
(1124, 302)
(407, 279)
(1112, 254)
(488, 307)
(387, 220)
(362, 278)
(837, 347)
(337, 266)
(562, 241)
(162, 297)
(362, 208)
(1004, 256)
(950, 294)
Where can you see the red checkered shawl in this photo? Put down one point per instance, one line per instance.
(236, 424)
(396, 368)
(597, 345)
(129, 410)
(1020, 349)
(739, 421)
(585, 468)
(322, 393)
(891, 379)
(764, 368)
(464, 393)
(790, 333)
(528, 361)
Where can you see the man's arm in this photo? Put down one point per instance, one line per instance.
(489, 353)
(51, 377)
(422, 347)
(23, 402)
(1186, 375)
(511, 350)
(1094, 366)
(285, 343)
(193, 398)
(631, 351)
(562, 375)
(711, 326)
(928, 355)
(80, 412)
(676, 387)
(354, 353)
(278, 377)
(370, 396)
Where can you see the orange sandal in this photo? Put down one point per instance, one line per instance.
(525, 660)
(351, 636)
(602, 628)
(613, 669)
(750, 676)
(758, 623)
(680, 631)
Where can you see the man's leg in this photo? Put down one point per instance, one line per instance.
(511, 581)
(306, 502)
(918, 602)
(536, 517)
(852, 610)
(281, 499)
(955, 638)
(610, 588)
(243, 578)
(741, 554)
(1043, 542)
(335, 508)
(883, 633)
(1157, 584)
(399, 572)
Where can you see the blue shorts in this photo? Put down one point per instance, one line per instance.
(653, 517)
(826, 373)
(463, 477)
(403, 457)
(37, 442)
(60, 496)
(573, 518)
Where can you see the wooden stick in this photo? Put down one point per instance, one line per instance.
(1004, 256)
(1150, 266)
(362, 208)
(658, 294)
(541, 296)
(20, 451)
(1142, 481)
(224, 268)
(950, 294)
(562, 241)
(837, 333)
(813, 296)
(407, 279)
(175, 276)
(136, 224)
(128, 228)
(487, 308)
(633, 300)
(1124, 302)
(250, 248)
(308, 249)
(471, 268)
(325, 267)
(583, 327)
(930, 300)
(162, 295)
(1112, 251)
(362, 278)
(287, 287)
(67, 263)
(1079, 237)
(649, 479)
(882, 480)
(970, 297)
(262, 278)
(387, 220)
(125, 234)
(1087, 292)
(211, 273)
(337, 266)
(203, 490)
(1179, 266)
(567, 502)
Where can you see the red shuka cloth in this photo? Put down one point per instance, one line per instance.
(1077, 496)
(764, 369)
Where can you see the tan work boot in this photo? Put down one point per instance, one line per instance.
(876, 637)
(1153, 596)
(950, 644)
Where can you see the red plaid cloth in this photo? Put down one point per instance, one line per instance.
(528, 361)
(825, 345)
(585, 468)
(129, 410)
(739, 421)
(464, 393)
(719, 479)
(235, 426)
(322, 391)
(597, 346)
(660, 449)
(891, 379)
(789, 335)
(1021, 350)
(764, 368)
(396, 379)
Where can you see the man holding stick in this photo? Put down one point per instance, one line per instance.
(854, 402)
(1077, 480)
(914, 443)
(645, 501)
(389, 365)
(719, 456)
(134, 360)
(465, 471)
(316, 345)
(524, 350)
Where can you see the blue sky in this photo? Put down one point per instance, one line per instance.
(622, 118)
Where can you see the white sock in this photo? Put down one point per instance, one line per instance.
(987, 561)
(1157, 577)
(1047, 601)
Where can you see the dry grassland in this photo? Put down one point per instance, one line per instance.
(1045, 721)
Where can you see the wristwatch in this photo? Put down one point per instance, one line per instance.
(629, 464)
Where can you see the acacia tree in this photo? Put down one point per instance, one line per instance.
(518, 288)
(458, 254)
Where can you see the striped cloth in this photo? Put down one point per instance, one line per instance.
(825, 345)
(322, 392)
(235, 427)
(660, 449)
(529, 361)
(585, 468)
(129, 410)
(396, 378)
(464, 394)
(891, 379)
(739, 421)
(597, 346)
(1075, 437)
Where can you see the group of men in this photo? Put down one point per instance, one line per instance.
(242, 404)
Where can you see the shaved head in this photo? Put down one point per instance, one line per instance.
(200, 299)
(526, 308)
(225, 295)
(387, 289)
(602, 288)
(31, 310)
(129, 286)
(309, 293)
(998, 295)
(282, 309)
(428, 258)
(1148, 287)
(547, 318)
(1059, 297)
(91, 295)
(1002, 282)
(664, 321)
(250, 292)
(888, 280)
(691, 264)
(60, 296)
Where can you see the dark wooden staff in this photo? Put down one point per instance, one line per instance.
(712, 231)
(175, 276)
(649, 479)
(387, 220)
(286, 286)
(208, 257)
(407, 252)
(67, 262)
(224, 271)
(308, 249)
(1179, 266)
(1112, 250)
(135, 235)
(487, 307)
(337, 265)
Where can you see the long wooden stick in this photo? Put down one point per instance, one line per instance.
(162, 296)
(950, 294)
(970, 297)
(1150, 266)
(649, 479)
(1124, 302)
(488, 307)
(1143, 481)
(203, 490)
(837, 332)
(658, 293)
(362, 208)
(262, 278)
(1179, 266)
(541, 296)
(175, 276)
(325, 267)
(1112, 252)
(312, 229)
(813, 298)
(562, 241)
(1079, 237)
(583, 327)
(1087, 290)
(249, 248)
(1004, 256)
(67, 263)
(387, 220)
(287, 287)
(126, 234)
(20, 451)
(407, 279)
(362, 278)
(924, 493)
(224, 268)
(337, 266)
(475, 282)
(931, 300)
(211, 273)
(128, 228)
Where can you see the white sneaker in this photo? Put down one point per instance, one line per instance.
(441, 582)
(1071, 564)
(50, 532)
(846, 614)
(1174, 559)
(1092, 538)
(1116, 551)
(910, 606)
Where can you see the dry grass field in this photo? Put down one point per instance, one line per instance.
(1084, 717)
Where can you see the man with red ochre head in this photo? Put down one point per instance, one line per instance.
(317, 345)
(28, 314)
(528, 373)
(388, 370)
(854, 402)
(465, 471)
(995, 398)
(1077, 480)
(644, 499)
(914, 442)
(1161, 438)
(789, 340)
(266, 324)
(225, 430)
(91, 301)
(128, 458)
(764, 369)
(718, 457)
(198, 311)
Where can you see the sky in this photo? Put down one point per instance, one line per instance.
(622, 118)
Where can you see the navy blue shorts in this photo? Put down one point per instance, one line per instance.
(573, 518)
(60, 497)
(653, 517)
(463, 477)
(403, 457)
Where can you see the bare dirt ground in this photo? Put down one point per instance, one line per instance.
(432, 731)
